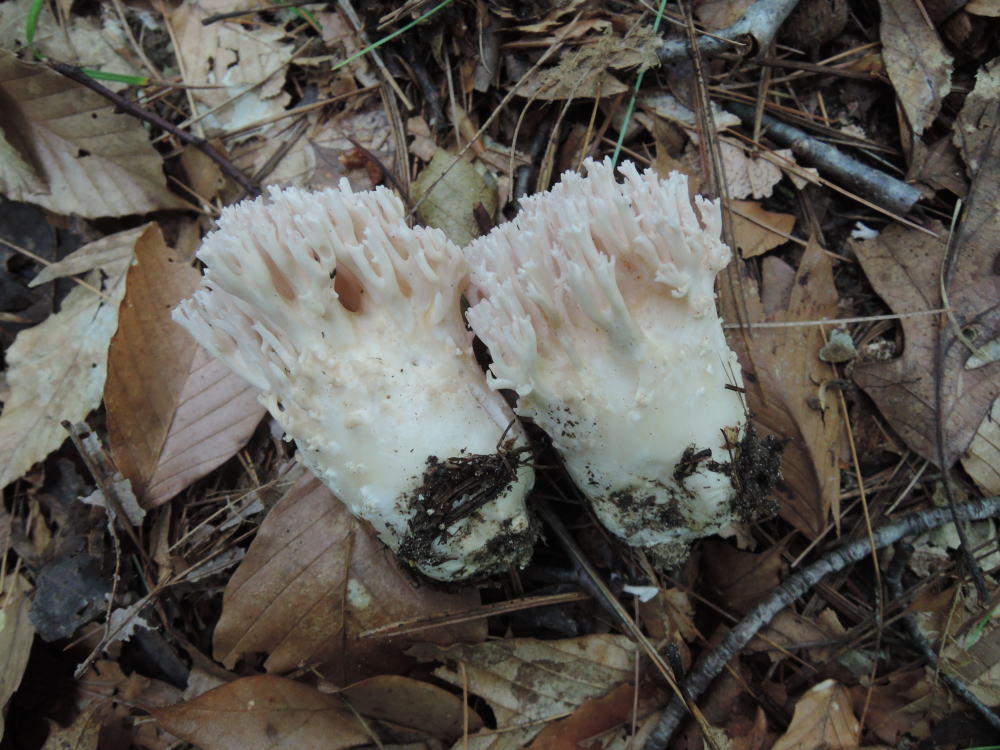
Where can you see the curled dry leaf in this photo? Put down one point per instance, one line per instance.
(918, 64)
(261, 712)
(786, 382)
(823, 718)
(174, 412)
(529, 683)
(315, 578)
(86, 159)
(56, 370)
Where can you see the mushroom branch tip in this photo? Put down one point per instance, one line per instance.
(349, 322)
(597, 305)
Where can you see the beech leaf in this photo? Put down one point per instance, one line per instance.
(56, 370)
(175, 413)
(85, 158)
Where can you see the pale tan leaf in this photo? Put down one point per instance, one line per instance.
(243, 65)
(528, 682)
(95, 41)
(918, 64)
(175, 413)
(56, 370)
(16, 174)
(264, 712)
(746, 175)
(448, 192)
(313, 580)
(823, 718)
(982, 460)
(91, 160)
(987, 8)
(757, 230)
(104, 253)
(16, 637)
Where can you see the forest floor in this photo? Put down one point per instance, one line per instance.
(171, 574)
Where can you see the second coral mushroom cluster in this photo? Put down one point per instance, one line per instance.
(597, 306)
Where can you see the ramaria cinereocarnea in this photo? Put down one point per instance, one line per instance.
(349, 322)
(597, 305)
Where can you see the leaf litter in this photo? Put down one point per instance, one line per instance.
(250, 582)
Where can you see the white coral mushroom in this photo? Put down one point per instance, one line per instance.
(597, 305)
(349, 322)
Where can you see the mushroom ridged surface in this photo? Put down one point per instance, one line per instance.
(597, 305)
(349, 322)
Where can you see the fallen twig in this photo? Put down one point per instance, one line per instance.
(712, 662)
(882, 189)
(754, 32)
(130, 108)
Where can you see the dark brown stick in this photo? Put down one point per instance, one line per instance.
(878, 187)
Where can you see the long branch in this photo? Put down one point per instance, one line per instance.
(712, 662)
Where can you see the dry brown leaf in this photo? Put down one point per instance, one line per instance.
(56, 370)
(823, 718)
(597, 716)
(973, 655)
(529, 683)
(918, 64)
(976, 124)
(904, 267)
(175, 413)
(16, 637)
(313, 579)
(243, 66)
(885, 704)
(87, 159)
(982, 460)
(785, 381)
(789, 627)
(741, 578)
(757, 230)
(410, 707)
(264, 712)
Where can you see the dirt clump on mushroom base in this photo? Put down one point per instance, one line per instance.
(456, 488)
(753, 472)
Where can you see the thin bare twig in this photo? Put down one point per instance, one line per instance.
(712, 662)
